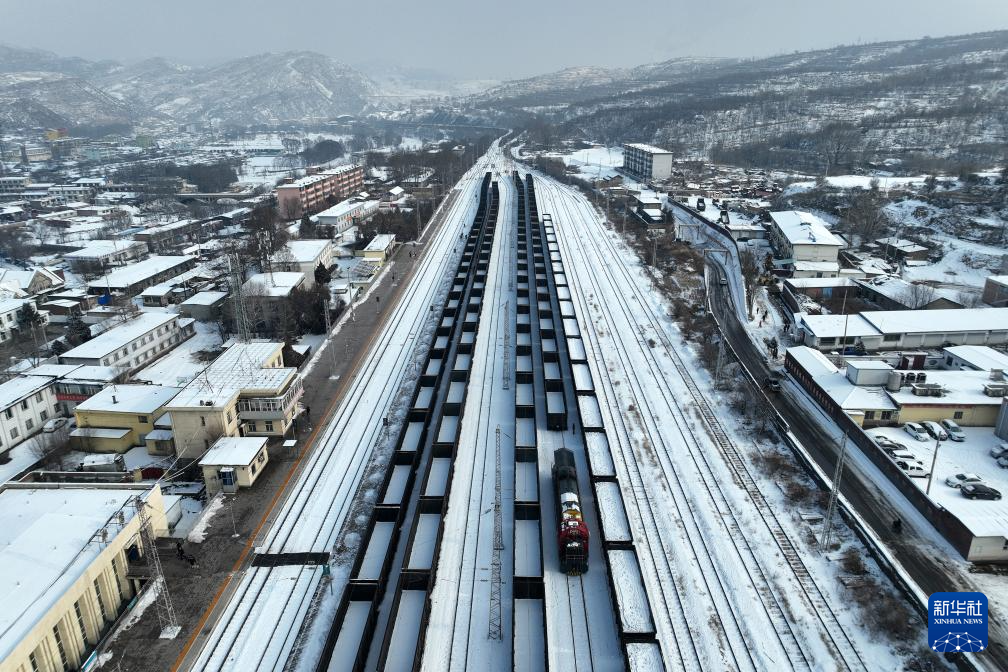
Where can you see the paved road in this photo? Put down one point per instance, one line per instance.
(930, 570)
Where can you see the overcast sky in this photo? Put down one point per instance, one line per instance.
(473, 39)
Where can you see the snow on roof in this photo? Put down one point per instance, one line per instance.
(129, 399)
(813, 361)
(273, 284)
(304, 250)
(806, 283)
(380, 242)
(980, 357)
(140, 271)
(804, 228)
(46, 547)
(7, 305)
(902, 244)
(827, 326)
(998, 279)
(238, 368)
(869, 364)
(16, 389)
(396, 191)
(108, 342)
(233, 451)
(644, 147)
(318, 177)
(949, 320)
(87, 372)
(961, 388)
(101, 248)
(346, 207)
(207, 298)
(835, 383)
(823, 266)
(99, 433)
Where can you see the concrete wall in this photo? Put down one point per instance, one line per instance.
(197, 428)
(973, 416)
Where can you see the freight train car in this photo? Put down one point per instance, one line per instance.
(572, 534)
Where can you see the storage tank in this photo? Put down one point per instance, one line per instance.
(894, 382)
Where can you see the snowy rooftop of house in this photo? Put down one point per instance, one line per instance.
(980, 357)
(317, 177)
(809, 283)
(303, 251)
(804, 228)
(46, 547)
(7, 305)
(139, 271)
(961, 388)
(162, 228)
(644, 147)
(938, 321)
(108, 342)
(99, 432)
(824, 266)
(902, 291)
(86, 372)
(397, 191)
(835, 383)
(869, 365)
(239, 368)
(101, 248)
(16, 389)
(130, 399)
(207, 298)
(826, 326)
(273, 284)
(813, 361)
(233, 451)
(902, 244)
(380, 242)
(345, 207)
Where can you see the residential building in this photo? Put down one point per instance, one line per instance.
(178, 288)
(246, 391)
(995, 291)
(234, 462)
(73, 383)
(892, 293)
(175, 235)
(31, 282)
(647, 162)
(266, 299)
(904, 329)
(132, 279)
(346, 214)
(9, 327)
(803, 244)
(98, 255)
(379, 249)
(205, 306)
(26, 403)
(305, 256)
(312, 193)
(133, 345)
(119, 417)
(900, 249)
(71, 562)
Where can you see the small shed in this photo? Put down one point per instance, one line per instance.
(234, 462)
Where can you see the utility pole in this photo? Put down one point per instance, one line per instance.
(934, 460)
(163, 602)
(827, 537)
(241, 316)
(329, 335)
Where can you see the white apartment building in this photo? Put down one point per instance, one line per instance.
(647, 161)
(133, 345)
(9, 308)
(346, 214)
(304, 256)
(804, 244)
(25, 405)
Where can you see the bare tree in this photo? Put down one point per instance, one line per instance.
(750, 267)
(836, 143)
(917, 295)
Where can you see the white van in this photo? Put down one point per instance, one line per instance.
(916, 431)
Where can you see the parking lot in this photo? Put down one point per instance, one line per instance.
(971, 455)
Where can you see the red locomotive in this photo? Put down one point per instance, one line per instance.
(572, 535)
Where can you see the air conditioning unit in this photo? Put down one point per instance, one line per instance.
(927, 389)
(996, 389)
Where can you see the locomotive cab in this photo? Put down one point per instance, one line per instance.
(572, 533)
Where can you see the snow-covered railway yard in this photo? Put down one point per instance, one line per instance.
(529, 329)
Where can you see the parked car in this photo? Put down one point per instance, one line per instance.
(882, 440)
(913, 469)
(959, 480)
(955, 432)
(700, 205)
(999, 450)
(935, 431)
(916, 431)
(771, 384)
(1003, 461)
(54, 424)
(980, 491)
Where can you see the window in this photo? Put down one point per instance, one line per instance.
(229, 417)
(115, 573)
(260, 458)
(134, 347)
(80, 621)
(33, 661)
(142, 418)
(44, 415)
(252, 427)
(9, 413)
(253, 468)
(14, 432)
(38, 396)
(202, 421)
(101, 602)
(206, 444)
(24, 405)
(891, 338)
(869, 415)
(29, 423)
(887, 415)
(269, 425)
(59, 646)
(958, 415)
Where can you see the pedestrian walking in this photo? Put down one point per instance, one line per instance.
(178, 550)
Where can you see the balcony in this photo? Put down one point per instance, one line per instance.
(271, 408)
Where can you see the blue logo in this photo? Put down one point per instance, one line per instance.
(957, 622)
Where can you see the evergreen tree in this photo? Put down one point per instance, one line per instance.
(76, 331)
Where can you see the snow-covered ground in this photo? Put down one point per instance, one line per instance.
(728, 572)
(181, 364)
(859, 181)
(18, 458)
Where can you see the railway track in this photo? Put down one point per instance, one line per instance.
(274, 596)
(771, 602)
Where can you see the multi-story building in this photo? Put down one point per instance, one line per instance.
(120, 417)
(9, 326)
(647, 162)
(310, 194)
(81, 547)
(132, 279)
(97, 255)
(247, 391)
(73, 383)
(995, 291)
(304, 256)
(134, 345)
(25, 405)
(346, 214)
(804, 245)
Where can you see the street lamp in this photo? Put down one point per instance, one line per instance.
(934, 460)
